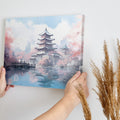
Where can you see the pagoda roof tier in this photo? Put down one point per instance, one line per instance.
(48, 39)
(34, 55)
(56, 54)
(65, 48)
(32, 58)
(45, 43)
(40, 54)
(45, 48)
(45, 32)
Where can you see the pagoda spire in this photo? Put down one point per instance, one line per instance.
(45, 32)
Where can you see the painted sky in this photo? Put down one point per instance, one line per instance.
(24, 32)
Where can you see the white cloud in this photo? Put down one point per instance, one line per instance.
(20, 33)
(61, 31)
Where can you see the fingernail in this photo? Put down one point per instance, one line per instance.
(3, 69)
(78, 72)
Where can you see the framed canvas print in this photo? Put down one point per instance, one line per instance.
(43, 51)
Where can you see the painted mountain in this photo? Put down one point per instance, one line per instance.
(43, 51)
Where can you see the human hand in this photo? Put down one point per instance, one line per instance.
(3, 86)
(71, 93)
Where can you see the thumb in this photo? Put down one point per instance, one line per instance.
(3, 72)
(2, 81)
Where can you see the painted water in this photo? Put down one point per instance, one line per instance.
(54, 77)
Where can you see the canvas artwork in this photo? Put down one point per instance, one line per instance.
(43, 51)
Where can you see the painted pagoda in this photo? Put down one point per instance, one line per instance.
(46, 47)
(45, 44)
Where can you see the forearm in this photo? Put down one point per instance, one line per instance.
(59, 111)
(64, 107)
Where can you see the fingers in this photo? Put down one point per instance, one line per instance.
(1, 70)
(81, 80)
(3, 86)
(82, 77)
(7, 88)
(75, 76)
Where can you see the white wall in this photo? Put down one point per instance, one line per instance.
(102, 23)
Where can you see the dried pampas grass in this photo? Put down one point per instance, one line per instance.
(108, 84)
(86, 110)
